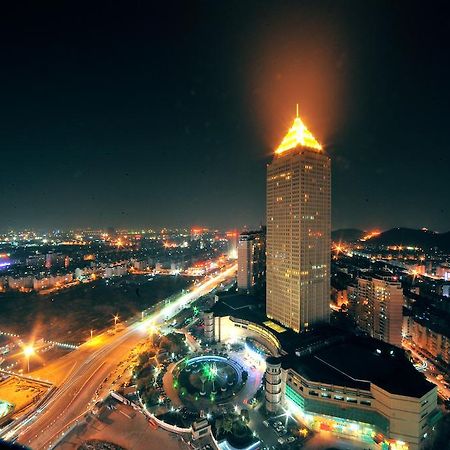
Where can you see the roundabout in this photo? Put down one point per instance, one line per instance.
(203, 382)
(179, 385)
(209, 378)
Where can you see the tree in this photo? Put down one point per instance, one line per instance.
(228, 424)
(150, 396)
(219, 425)
(143, 358)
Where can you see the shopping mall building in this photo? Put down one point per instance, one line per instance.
(333, 381)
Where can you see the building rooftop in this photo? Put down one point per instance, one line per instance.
(252, 309)
(231, 303)
(329, 355)
(357, 362)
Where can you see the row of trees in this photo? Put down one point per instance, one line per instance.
(146, 369)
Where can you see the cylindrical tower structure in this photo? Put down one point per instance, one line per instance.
(273, 384)
(208, 318)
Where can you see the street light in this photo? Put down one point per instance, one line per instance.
(116, 318)
(28, 351)
(92, 331)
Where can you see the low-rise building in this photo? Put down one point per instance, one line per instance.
(333, 380)
(35, 260)
(116, 270)
(362, 388)
(21, 283)
(42, 282)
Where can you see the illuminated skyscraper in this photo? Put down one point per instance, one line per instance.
(298, 231)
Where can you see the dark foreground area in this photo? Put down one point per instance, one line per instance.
(70, 315)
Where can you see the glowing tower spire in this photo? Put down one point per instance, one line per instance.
(298, 134)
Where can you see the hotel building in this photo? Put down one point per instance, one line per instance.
(298, 231)
(331, 380)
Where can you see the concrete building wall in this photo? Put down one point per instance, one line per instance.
(408, 416)
(227, 328)
(399, 418)
(52, 281)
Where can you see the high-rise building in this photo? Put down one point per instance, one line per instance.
(251, 259)
(377, 307)
(233, 242)
(298, 231)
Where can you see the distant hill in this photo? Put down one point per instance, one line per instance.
(407, 237)
(413, 238)
(347, 235)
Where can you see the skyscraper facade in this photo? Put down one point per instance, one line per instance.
(251, 260)
(298, 231)
(376, 304)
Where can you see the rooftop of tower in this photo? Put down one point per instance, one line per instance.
(297, 135)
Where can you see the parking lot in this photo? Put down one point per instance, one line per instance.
(279, 432)
(125, 427)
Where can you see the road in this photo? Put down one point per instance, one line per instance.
(81, 373)
(430, 371)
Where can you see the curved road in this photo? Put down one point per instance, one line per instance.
(79, 374)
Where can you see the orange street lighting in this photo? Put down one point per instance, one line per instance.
(28, 351)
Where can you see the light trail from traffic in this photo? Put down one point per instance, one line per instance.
(90, 368)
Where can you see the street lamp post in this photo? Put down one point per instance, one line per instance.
(28, 351)
(116, 318)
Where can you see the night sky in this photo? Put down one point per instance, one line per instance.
(120, 114)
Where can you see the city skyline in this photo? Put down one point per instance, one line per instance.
(103, 136)
(224, 225)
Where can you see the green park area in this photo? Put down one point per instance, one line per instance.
(151, 360)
